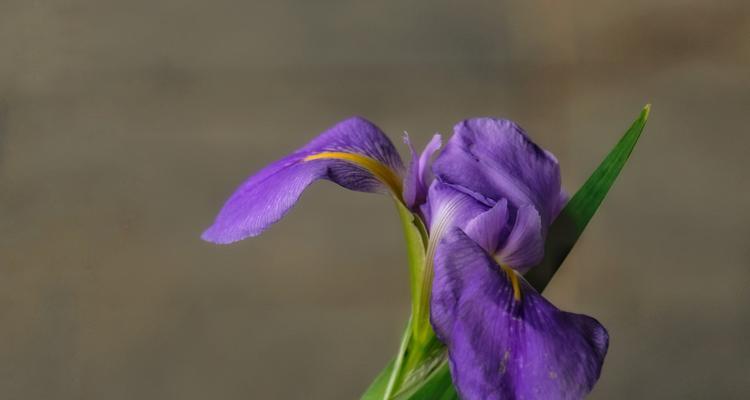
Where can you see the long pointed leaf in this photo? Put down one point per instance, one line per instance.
(573, 219)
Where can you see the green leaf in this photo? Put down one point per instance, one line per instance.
(561, 238)
(377, 388)
(573, 219)
(415, 235)
(437, 386)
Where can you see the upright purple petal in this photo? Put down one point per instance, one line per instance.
(513, 236)
(447, 208)
(419, 175)
(490, 227)
(494, 159)
(354, 153)
(501, 347)
(524, 246)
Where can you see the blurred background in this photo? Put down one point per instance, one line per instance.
(124, 125)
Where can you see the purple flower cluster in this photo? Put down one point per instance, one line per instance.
(487, 200)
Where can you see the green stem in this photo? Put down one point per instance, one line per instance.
(397, 375)
(415, 235)
(414, 357)
(412, 350)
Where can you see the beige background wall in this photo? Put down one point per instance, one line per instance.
(125, 124)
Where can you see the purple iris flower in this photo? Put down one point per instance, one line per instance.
(494, 196)
(488, 200)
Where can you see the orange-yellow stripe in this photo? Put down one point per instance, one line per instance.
(513, 277)
(379, 170)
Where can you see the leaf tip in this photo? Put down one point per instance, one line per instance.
(646, 111)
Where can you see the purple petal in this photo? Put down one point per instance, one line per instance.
(489, 227)
(269, 194)
(412, 182)
(447, 207)
(258, 203)
(503, 348)
(494, 159)
(357, 135)
(524, 247)
(419, 175)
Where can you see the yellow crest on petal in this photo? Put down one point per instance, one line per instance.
(513, 277)
(379, 170)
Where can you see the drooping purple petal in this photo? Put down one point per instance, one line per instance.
(419, 175)
(357, 135)
(354, 153)
(494, 159)
(503, 348)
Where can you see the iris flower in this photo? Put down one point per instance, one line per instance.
(487, 202)
(494, 197)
